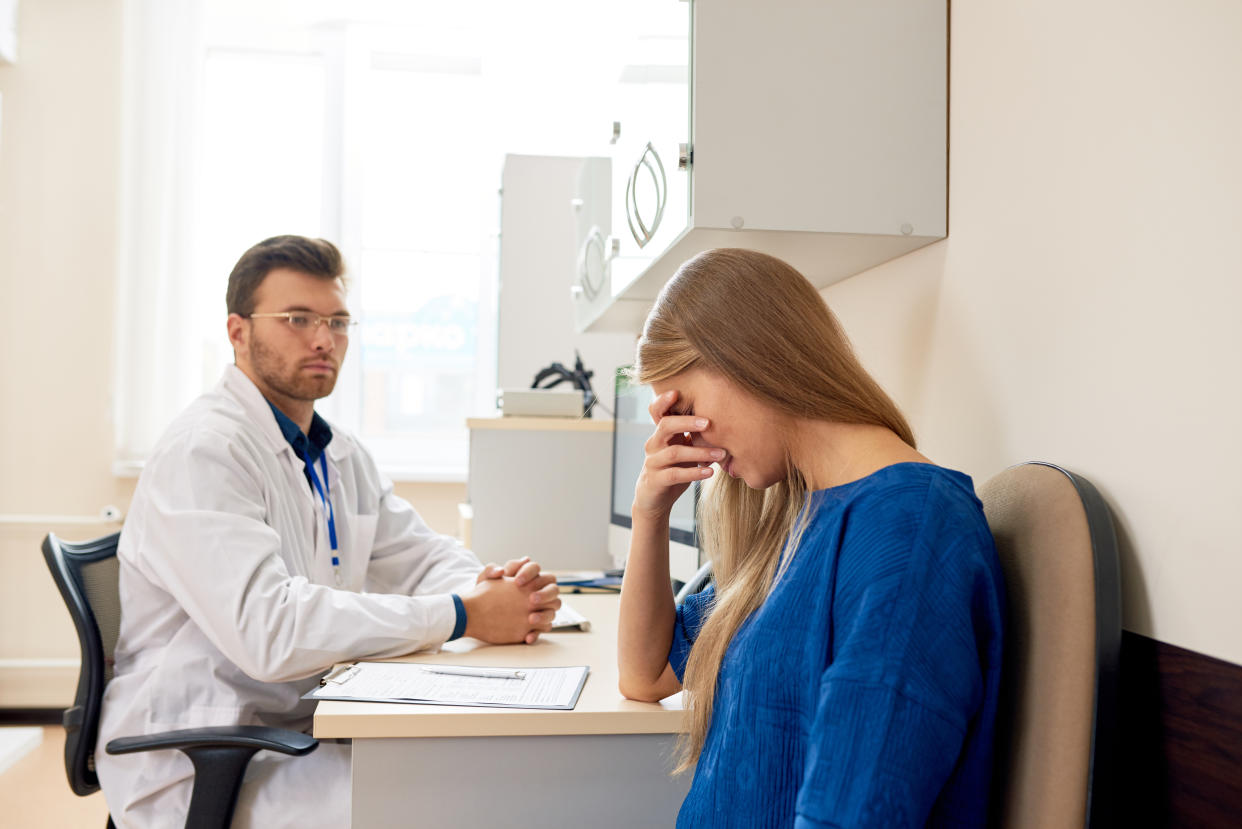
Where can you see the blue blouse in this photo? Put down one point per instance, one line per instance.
(863, 691)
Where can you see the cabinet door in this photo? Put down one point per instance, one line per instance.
(592, 203)
(650, 193)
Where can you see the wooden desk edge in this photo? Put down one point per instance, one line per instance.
(491, 722)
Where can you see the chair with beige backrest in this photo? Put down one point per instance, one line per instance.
(1056, 727)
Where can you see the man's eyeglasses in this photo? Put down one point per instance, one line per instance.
(305, 321)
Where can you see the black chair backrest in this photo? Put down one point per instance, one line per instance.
(87, 574)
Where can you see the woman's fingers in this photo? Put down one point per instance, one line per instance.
(663, 475)
(673, 423)
(672, 429)
(675, 429)
(677, 475)
(685, 456)
(672, 461)
(660, 406)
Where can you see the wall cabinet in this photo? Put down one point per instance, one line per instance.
(815, 131)
(634, 201)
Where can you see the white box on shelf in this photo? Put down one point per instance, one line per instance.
(541, 402)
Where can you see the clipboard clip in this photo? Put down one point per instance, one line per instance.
(341, 675)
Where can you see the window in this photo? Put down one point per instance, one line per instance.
(420, 213)
(380, 125)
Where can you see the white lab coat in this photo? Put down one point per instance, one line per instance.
(230, 610)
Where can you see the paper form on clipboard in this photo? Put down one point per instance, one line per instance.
(421, 683)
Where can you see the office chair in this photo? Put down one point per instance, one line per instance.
(87, 575)
(1056, 725)
(699, 581)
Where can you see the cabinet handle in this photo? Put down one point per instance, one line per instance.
(638, 228)
(589, 287)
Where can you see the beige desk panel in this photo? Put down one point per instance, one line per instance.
(601, 709)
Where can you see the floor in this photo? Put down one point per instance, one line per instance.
(34, 791)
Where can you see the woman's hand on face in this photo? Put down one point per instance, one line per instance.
(673, 462)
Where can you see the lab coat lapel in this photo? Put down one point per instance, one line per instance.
(301, 558)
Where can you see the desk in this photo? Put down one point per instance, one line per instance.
(604, 764)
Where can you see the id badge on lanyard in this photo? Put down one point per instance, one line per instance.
(325, 493)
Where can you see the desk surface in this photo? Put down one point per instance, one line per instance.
(601, 709)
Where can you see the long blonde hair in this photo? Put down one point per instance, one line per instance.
(754, 320)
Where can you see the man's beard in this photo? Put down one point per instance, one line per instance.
(287, 378)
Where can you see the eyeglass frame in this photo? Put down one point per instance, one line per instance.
(320, 319)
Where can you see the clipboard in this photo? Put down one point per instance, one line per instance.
(421, 683)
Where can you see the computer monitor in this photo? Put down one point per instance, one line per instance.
(631, 428)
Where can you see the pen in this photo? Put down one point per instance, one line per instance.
(489, 673)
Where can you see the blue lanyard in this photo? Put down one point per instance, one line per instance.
(325, 490)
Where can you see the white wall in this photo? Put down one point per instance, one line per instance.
(1086, 308)
(59, 143)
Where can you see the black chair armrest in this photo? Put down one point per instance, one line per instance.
(220, 755)
(255, 737)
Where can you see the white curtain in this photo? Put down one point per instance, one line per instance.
(156, 370)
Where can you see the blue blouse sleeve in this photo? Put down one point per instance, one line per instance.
(915, 610)
(690, 617)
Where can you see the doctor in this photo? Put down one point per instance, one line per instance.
(262, 546)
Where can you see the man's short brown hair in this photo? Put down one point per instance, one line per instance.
(316, 257)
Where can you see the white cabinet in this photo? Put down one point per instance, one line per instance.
(548, 211)
(650, 197)
(642, 194)
(540, 487)
(817, 133)
(591, 200)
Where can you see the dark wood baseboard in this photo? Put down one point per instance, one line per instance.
(1180, 737)
(31, 716)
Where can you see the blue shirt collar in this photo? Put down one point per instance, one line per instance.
(309, 445)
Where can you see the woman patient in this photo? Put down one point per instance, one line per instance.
(843, 668)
